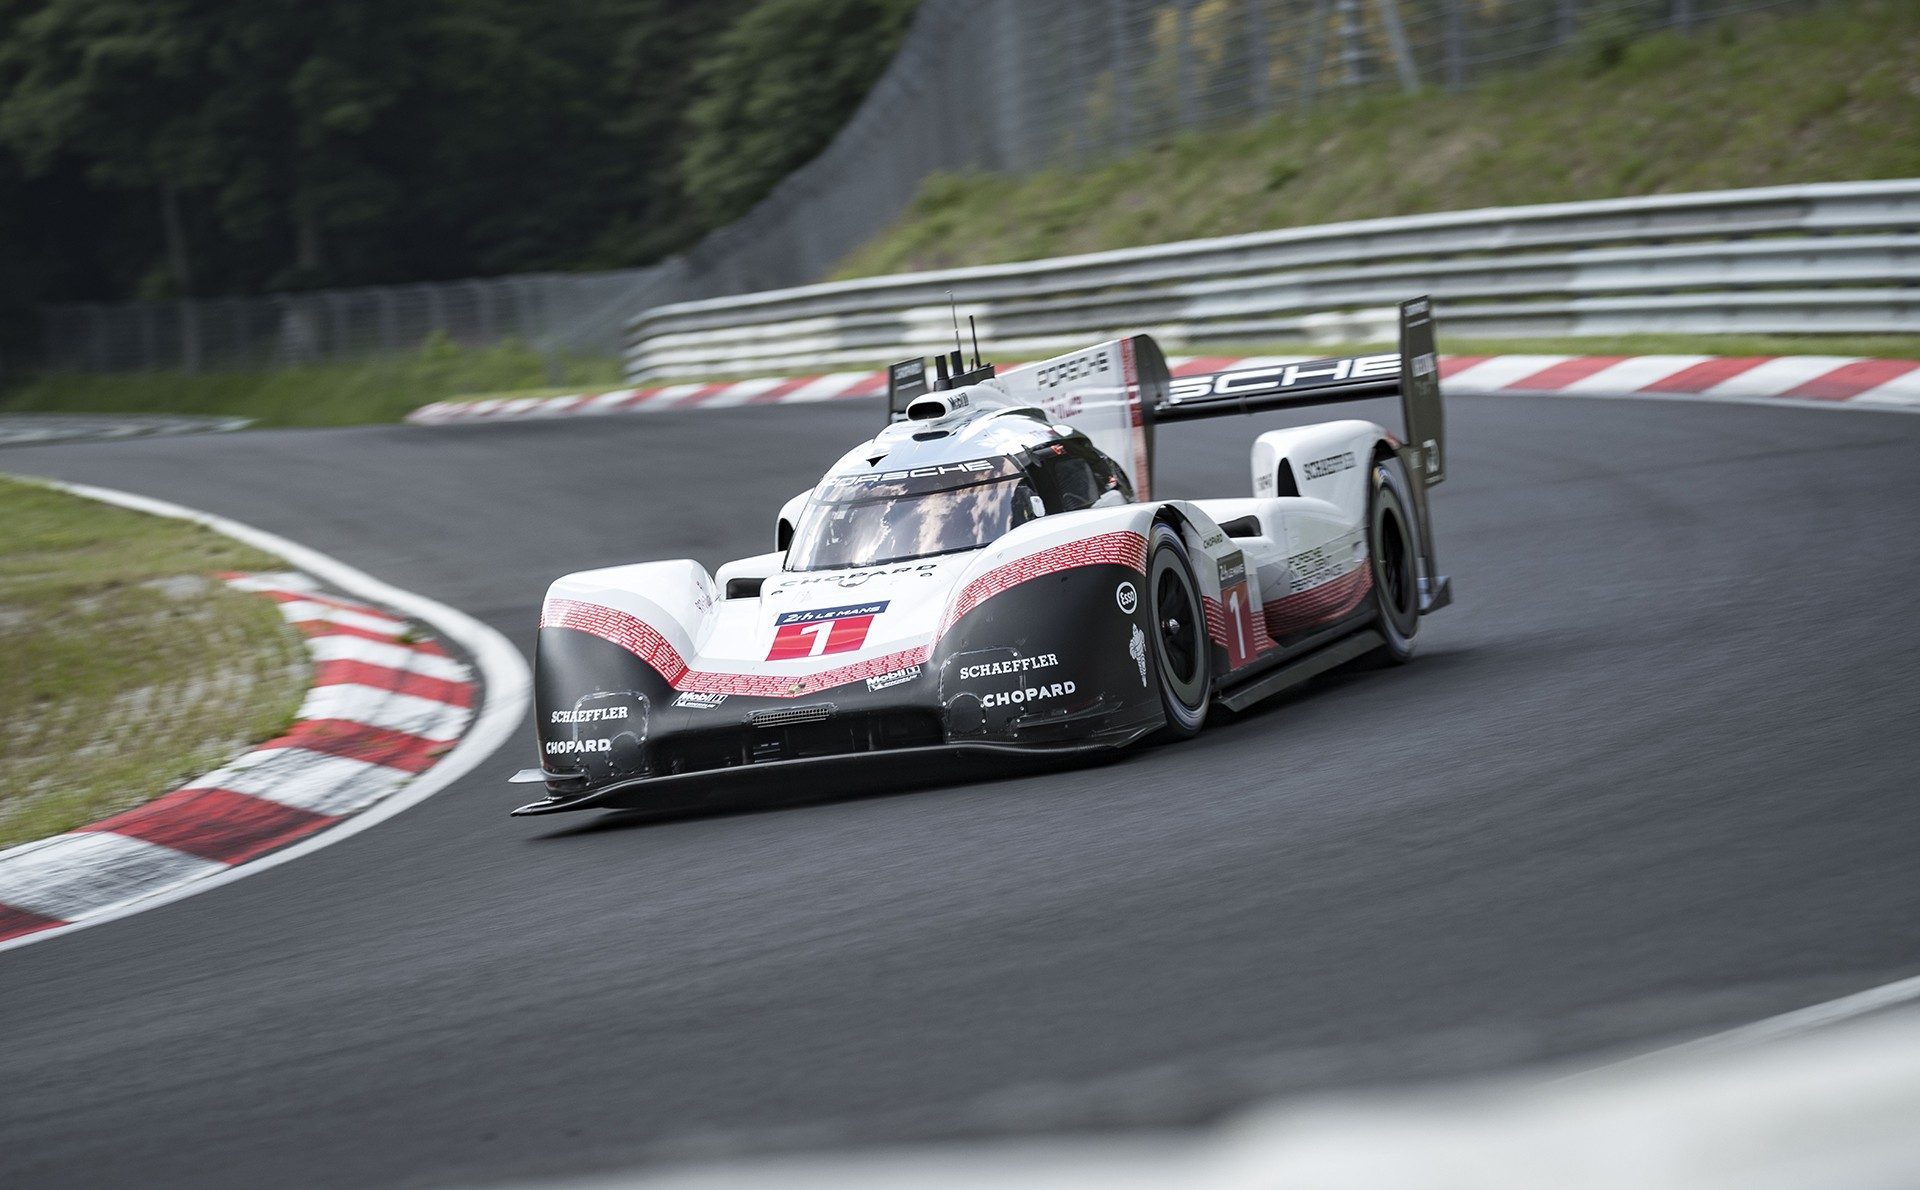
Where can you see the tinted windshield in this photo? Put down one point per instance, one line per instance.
(893, 516)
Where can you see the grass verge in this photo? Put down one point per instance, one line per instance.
(1794, 96)
(129, 668)
(375, 390)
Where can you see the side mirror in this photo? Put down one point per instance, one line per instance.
(788, 520)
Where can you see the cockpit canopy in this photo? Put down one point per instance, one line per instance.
(873, 518)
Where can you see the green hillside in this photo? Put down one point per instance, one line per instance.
(1797, 96)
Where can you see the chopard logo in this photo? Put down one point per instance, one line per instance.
(1008, 698)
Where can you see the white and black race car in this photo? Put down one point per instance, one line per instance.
(992, 572)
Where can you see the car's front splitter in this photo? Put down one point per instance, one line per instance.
(645, 792)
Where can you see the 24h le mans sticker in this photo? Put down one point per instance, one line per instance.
(823, 630)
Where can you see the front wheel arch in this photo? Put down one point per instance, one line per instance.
(1178, 641)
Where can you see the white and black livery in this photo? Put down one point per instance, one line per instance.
(993, 572)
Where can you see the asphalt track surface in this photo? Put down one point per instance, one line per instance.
(1653, 775)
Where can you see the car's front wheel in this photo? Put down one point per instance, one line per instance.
(1182, 652)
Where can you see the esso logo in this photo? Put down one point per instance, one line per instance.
(1126, 597)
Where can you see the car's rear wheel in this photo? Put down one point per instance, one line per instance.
(1182, 652)
(1394, 553)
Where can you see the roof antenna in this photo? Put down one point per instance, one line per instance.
(975, 332)
(955, 311)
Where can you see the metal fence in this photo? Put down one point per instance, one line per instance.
(553, 312)
(1832, 257)
(978, 84)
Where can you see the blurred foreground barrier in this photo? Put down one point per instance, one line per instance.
(1838, 257)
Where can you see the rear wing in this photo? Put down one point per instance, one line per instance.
(1412, 374)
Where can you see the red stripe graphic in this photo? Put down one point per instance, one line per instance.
(1705, 374)
(215, 824)
(1216, 617)
(1124, 548)
(641, 639)
(1850, 380)
(1319, 605)
(16, 922)
(380, 677)
(1566, 372)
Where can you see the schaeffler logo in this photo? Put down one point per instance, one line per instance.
(1126, 597)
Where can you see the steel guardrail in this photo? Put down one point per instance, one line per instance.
(1828, 257)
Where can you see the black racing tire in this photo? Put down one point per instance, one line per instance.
(1177, 624)
(1393, 551)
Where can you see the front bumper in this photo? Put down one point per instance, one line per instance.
(843, 770)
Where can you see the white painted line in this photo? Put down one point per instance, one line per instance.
(340, 647)
(73, 875)
(1776, 376)
(388, 709)
(1500, 371)
(1800, 1020)
(307, 780)
(503, 672)
(1634, 373)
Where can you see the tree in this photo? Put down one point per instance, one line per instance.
(774, 90)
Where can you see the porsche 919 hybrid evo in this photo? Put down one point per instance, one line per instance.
(992, 572)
